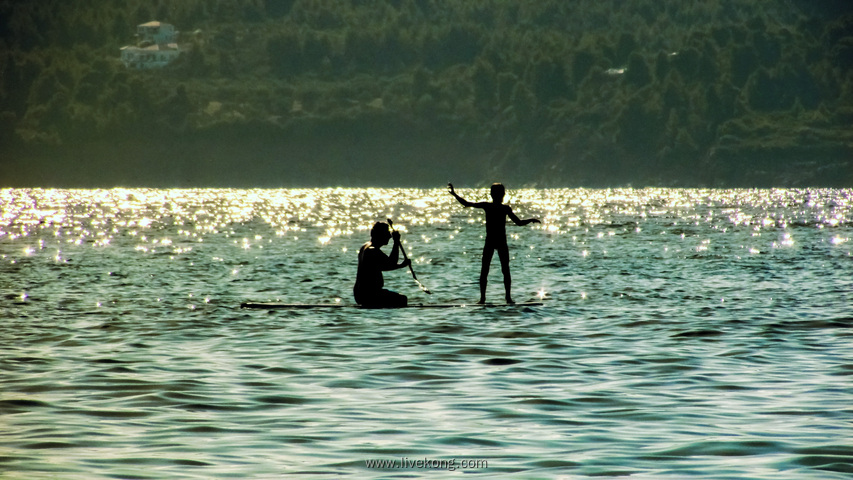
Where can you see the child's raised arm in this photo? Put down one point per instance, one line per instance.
(465, 203)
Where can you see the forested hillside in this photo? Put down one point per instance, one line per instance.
(416, 92)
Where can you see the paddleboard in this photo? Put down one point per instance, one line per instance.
(277, 305)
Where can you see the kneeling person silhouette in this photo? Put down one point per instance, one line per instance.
(372, 261)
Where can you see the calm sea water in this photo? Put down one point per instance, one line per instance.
(700, 334)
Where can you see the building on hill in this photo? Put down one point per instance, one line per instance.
(156, 32)
(156, 46)
(152, 56)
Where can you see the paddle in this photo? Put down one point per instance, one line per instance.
(405, 257)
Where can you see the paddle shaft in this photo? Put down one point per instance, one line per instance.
(406, 257)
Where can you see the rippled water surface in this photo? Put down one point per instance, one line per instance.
(685, 334)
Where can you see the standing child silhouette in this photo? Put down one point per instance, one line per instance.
(496, 214)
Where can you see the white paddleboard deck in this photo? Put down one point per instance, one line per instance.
(277, 305)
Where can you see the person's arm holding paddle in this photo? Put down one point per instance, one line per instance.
(394, 255)
(406, 260)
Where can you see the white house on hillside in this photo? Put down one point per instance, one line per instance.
(156, 32)
(156, 46)
(152, 56)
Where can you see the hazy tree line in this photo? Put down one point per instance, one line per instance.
(580, 92)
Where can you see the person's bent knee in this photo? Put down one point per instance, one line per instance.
(385, 299)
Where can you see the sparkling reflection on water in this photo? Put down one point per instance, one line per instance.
(686, 334)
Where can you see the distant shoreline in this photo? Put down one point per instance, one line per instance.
(394, 157)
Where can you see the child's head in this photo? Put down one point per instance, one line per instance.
(498, 191)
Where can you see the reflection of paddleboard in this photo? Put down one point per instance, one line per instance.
(275, 305)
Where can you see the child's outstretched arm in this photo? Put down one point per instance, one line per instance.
(465, 203)
(520, 222)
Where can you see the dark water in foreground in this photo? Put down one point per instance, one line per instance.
(700, 334)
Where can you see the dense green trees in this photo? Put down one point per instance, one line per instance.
(647, 91)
